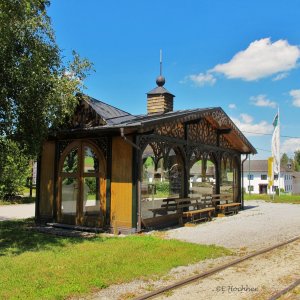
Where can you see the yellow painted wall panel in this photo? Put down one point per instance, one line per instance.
(47, 179)
(121, 184)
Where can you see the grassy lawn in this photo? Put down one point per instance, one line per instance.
(40, 266)
(278, 199)
(21, 200)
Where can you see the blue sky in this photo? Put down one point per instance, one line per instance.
(241, 55)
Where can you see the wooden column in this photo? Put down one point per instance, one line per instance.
(218, 166)
(108, 182)
(46, 189)
(37, 192)
(218, 172)
(186, 164)
(55, 185)
(121, 185)
(239, 180)
(135, 184)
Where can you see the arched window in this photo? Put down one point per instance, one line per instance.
(81, 185)
(202, 175)
(162, 180)
(70, 183)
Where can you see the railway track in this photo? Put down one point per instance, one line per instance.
(285, 291)
(213, 271)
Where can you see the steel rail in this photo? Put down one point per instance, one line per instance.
(213, 271)
(286, 290)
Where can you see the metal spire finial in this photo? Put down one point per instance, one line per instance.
(160, 62)
(160, 80)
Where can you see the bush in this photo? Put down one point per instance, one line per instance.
(91, 183)
(14, 168)
(162, 187)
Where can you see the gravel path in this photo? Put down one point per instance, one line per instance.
(18, 211)
(261, 224)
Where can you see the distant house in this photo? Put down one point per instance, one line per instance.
(255, 178)
(296, 183)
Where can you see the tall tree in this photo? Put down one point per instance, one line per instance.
(284, 160)
(297, 160)
(14, 168)
(37, 88)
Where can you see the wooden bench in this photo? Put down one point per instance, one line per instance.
(169, 204)
(224, 204)
(201, 209)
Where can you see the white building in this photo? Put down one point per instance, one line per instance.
(255, 178)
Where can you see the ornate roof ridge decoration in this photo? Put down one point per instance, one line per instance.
(99, 116)
(223, 120)
(85, 116)
(217, 114)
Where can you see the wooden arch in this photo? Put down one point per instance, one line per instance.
(79, 176)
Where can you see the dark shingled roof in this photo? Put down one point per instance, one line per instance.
(145, 119)
(110, 114)
(159, 90)
(116, 118)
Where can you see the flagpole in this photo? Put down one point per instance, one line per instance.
(279, 151)
(276, 149)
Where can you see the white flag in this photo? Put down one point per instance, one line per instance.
(276, 145)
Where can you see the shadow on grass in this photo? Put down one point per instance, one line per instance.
(17, 237)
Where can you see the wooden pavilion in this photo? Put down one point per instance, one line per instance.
(110, 169)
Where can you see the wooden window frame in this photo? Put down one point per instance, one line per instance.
(80, 175)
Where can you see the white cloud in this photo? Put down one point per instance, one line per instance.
(289, 146)
(262, 58)
(202, 79)
(296, 97)
(246, 118)
(246, 125)
(232, 106)
(280, 76)
(262, 100)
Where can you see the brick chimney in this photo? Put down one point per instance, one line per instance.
(159, 100)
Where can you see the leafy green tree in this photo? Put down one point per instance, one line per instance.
(14, 168)
(297, 160)
(149, 163)
(284, 159)
(37, 88)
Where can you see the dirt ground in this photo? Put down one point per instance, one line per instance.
(18, 211)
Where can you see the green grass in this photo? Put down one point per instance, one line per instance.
(295, 199)
(26, 191)
(40, 266)
(160, 194)
(21, 200)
